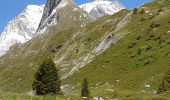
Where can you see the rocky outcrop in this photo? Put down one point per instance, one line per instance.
(48, 9)
(54, 13)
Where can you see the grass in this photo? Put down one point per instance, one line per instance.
(121, 95)
(16, 96)
(144, 63)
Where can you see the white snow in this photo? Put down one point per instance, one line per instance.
(21, 28)
(99, 8)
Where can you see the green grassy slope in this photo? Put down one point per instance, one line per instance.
(139, 59)
(16, 96)
(18, 66)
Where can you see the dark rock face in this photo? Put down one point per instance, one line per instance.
(48, 9)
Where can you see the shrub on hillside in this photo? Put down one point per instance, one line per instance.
(151, 35)
(169, 21)
(139, 51)
(154, 25)
(148, 47)
(131, 45)
(165, 84)
(146, 62)
(138, 37)
(142, 11)
(160, 10)
(157, 38)
(84, 90)
(135, 10)
(161, 41)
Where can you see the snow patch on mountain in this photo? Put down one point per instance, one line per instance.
(22, 28)
(99, 8)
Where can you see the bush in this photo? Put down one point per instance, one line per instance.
(47, 79)
(168, 42)
(169, 21)
(165, 85)
(161, 41)
(151, 35)
(146, 62)
(154, 25)
(160, 10)
(131, 45)
(148, 47)
(142, 11)
(143, 19)
(135, 11)
(157, 38)
(57, 48)
(138, 37)
(139, 51)
(85, 91)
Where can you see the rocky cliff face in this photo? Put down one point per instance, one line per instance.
(61, 12)
(48, 9)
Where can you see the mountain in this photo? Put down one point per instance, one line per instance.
(124, 56)
(26, 26)
(36, 19)
(99, 8)
(74, 41)
(64, 14)
(22, 28)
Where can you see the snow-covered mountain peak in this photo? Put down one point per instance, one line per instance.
(99, 8)
(21, 28)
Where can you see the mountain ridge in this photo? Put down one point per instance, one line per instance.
(22, 28)
(49, 19)
(99, 8)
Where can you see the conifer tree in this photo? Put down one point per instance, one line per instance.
(85, 91)
(47, 79)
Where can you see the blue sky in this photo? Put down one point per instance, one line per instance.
(11, 8)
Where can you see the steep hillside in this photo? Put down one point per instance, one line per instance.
(76, 45)
(137, 62)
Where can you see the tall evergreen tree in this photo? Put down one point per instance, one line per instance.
(47, 79)
(85, 91)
